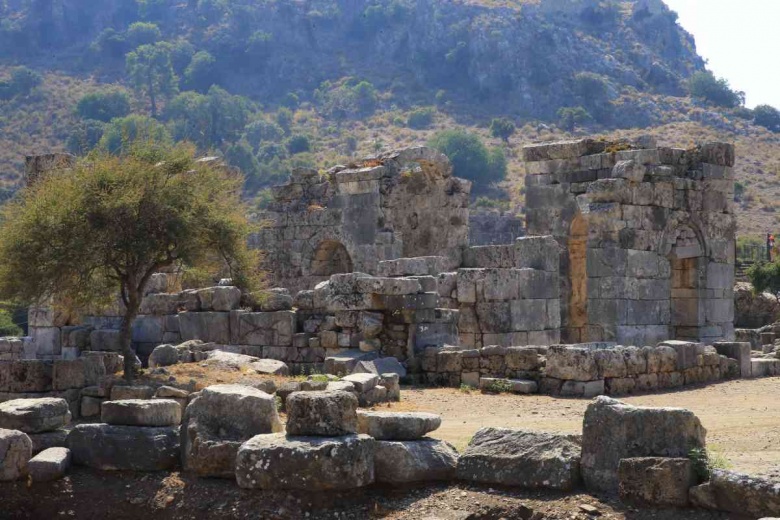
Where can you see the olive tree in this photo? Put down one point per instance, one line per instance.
(114, 221)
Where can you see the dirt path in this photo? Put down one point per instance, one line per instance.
(742, 417)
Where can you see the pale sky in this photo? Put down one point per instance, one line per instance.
(741, 41)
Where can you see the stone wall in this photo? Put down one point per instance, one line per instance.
(400, 204)
(494, 227)
(587, 370)
(647, 236)
(12, 349)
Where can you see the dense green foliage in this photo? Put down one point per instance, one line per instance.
(717, 91)
(571, 117)
(765, 276)
(21, 83)
(421, 118)
(104, 106)
(768, 117)
(502, 128)
(7, 325)
(116, 220)
(470, 158)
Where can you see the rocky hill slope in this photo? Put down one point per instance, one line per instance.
(272, 84)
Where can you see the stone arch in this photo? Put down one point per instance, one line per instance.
(687, 255)
(330, 257)
(578, 279)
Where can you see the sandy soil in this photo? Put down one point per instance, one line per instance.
(742, 417)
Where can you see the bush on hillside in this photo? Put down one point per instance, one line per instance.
(7, 325)
(298, 144)
(122, 132)
(202, 72)
(502, 128)
(21, 83)
(104, 105)
(768, 117)
(470, 158)
(717, 91)
(571, 117)
(420, 118)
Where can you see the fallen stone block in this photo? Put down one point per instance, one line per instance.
(139, 412)
(15, 452)
(278, 461)
(344, 363)
(44, 441)
(392, 383)
(397, 426)
(387, 365)
(25, 376)
(124, 448)
(123, 393)
(218, 420)
(745, 495)
(48, 465)
(656, 481)
(34, 415)
(321, 413)
(90, 406)
(270, 366)
(531, 460)
(613, 430)
(164, 356)
(363, 382)
(516, 386)
(401, 462)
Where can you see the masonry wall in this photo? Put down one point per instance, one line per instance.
(647, 235)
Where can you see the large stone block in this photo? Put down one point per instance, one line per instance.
(538, 252)
(209, 327)
(219, 299)
(656, 481)
(321, 413)
(401, 462)
(745, 495)
(139, 412)
(34, 415)
(571, 363)
(267, 329)
(397, 426)
(277, 461)
(50, 464)
(105, 340)
(687, 351)
(613, 431)
(25, 376)
(740, 352)
(526, 315)
(218, 420)
(148, 329)
(521, 458)
(124, 448)
(15, 452)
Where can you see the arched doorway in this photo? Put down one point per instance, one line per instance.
(578, 280)
(330, 257)
(688, 273)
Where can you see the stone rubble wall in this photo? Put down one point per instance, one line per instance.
(588, 370)
(657, 229)
(491, 228)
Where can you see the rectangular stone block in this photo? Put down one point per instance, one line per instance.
(528, 315)
(47, 340)
(105, 340)
(687, 352)
(209, 327)
(148, 329)
(538, 252)
(740, 352)
(25, 376)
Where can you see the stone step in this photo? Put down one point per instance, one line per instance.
(516, 386)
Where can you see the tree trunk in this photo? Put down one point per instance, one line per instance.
(151, 96)
(125, 338)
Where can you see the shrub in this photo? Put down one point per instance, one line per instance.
(499, 386)
(85, 136)
(201, 73)
(104, 105)
(765, 277)
(420, 118)
(571, 117)
(717, 91)
(21, 83)
(470, 158)
(261, 131)
(7, 325)
(142, 33)
(704, 461)
(502, 128)
(768, 117)
(298, 144)
(121, 132)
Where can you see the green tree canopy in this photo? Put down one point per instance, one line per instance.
(201, 73)
(142, 33)
(151, 72)
(502, 128)
(765, 277)
(470, 157)
(717, 91)
(768, 117)
(121, 133)
(106, 228)
(209, 120)
(104, 105)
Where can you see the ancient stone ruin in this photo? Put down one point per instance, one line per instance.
(623, 284)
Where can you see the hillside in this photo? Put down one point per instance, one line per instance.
(274, 84)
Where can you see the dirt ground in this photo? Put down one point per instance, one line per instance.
(742, 417)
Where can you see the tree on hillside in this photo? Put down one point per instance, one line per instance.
(151, 72)
(768, 117)
(470, 157)
(717, 91)
(120, 134)
(113, 222)
(104, 105)
(201, 73)
(502, 128)
(765, 277)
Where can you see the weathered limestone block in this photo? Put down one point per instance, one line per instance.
(400, 462)
(124, 448)
(306, 463)
(611, 363)
(363, 382)
(25, 376)
(218, 420)
(742, 494)
(521, 458)
(54, 439)
(397, 426)
(582, 388)
(138, 412)
(15, 452)
(105, 340)
(160, 304)
(613, 431)
(164, 356)
(210, 327)
(263, 328)
(34, 415)
(219, 299)
(380, 366)
(571, 363)
(738, 351)
(50, 464)
(123, 393)
(90, 406)
(321, 413)
(537, 252)
(656, 481)
(686, 352)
